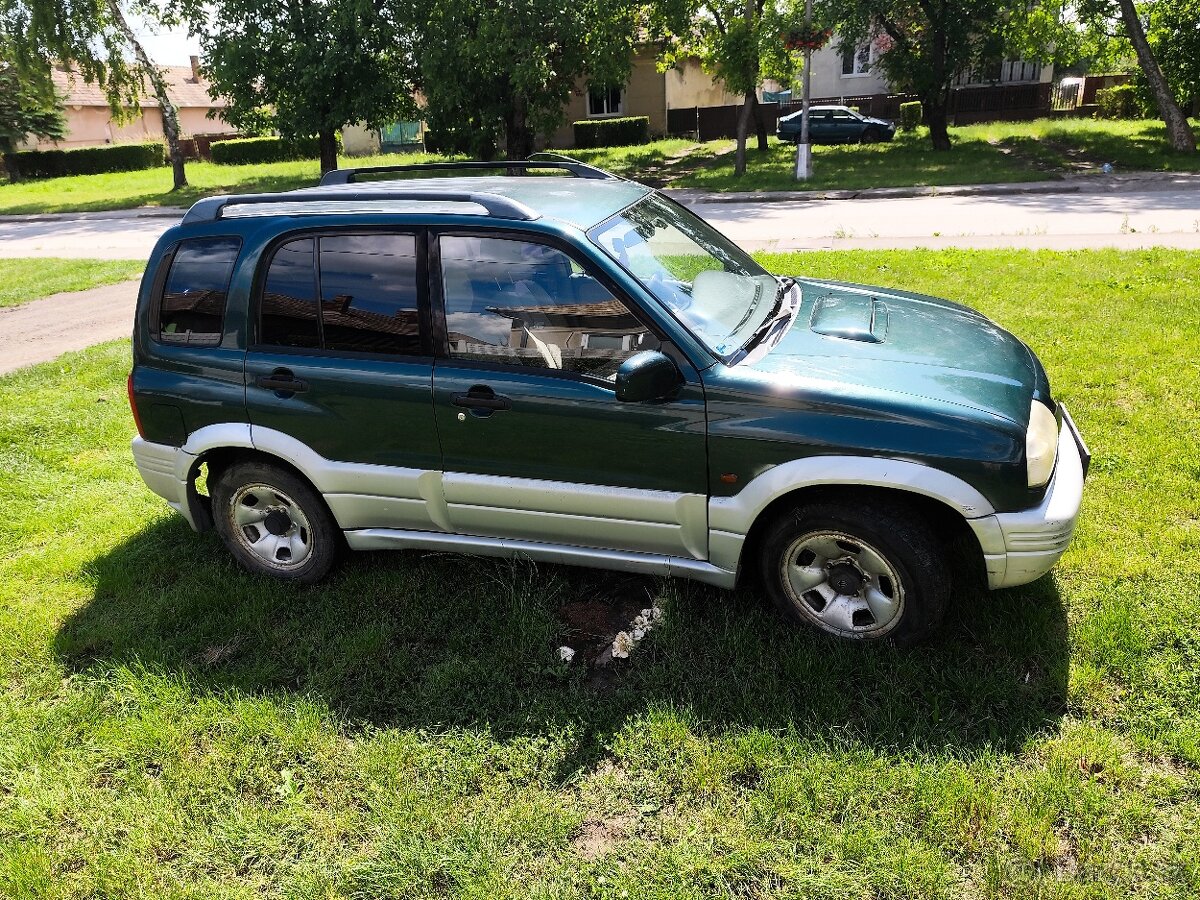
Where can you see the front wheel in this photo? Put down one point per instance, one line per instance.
(860, 571)
(871, 136)
(274, 523)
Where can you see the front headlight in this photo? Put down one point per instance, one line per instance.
(1041, 444)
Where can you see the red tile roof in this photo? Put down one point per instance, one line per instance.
(182, 87)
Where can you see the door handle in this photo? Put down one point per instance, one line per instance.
(281, 381)
(481, 400)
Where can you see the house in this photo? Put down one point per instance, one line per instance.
(850, 71)
(90, 122)
(647, 92)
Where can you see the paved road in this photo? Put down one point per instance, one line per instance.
(45, 329)
(1051, 221)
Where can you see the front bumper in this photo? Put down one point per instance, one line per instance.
(165, 470)
(1020, 547)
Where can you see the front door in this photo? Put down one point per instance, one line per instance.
(535, 445)
(338, 378)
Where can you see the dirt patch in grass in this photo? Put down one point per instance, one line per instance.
(596, 837)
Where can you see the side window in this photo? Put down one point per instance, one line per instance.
(192, 307)
(369, 293)
(288, 311)
(528, 304)
(361, 298)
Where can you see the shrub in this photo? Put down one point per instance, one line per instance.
(1118, 102)
(612, 132)
(241, 151)
(89, 160)
(910, 115)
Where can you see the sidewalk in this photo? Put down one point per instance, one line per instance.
(44, 329)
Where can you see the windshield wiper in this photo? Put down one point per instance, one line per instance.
(776, 315)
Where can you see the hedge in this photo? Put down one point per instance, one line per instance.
(267, 150)
(910, 115)
(89, 160)
(1118, 102)
(612, 132)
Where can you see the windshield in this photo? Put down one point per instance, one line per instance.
(705, 280)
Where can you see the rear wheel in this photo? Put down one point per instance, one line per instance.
(274, 523)
(869, 572)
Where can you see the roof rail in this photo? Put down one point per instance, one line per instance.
(210, 208)
(518, 166)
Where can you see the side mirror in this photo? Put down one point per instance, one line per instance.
(648, 375)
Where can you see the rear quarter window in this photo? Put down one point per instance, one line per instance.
(191, 309)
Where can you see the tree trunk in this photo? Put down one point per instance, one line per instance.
(760, 126)
(518, 136)
(743, 131)
(170, 116)
(936, 110)
(1179, 132)
(327, 141)
(10, 168)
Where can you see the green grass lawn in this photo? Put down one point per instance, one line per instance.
(152, 187)
(990, 153)
(32, 278)
(171, 727)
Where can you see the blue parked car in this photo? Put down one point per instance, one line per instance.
(579, 370)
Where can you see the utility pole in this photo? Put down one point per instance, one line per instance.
(803, 150)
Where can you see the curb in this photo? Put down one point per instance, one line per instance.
(1083, 185)
(141, 212)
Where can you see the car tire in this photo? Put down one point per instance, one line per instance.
(871, 572)
(274, 523)
(870, 136)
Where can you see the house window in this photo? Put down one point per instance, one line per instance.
(856, 60)
(606, 101)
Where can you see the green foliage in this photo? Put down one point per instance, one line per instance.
(922, 47)
(498, 72)
(29, 105)
(621, 132)
(1119, 102)
(241, 151)
(82, 33)
(910, 115)
(304, 68)
(1175, 39)
(90, 160)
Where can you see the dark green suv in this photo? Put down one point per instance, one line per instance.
(571, 367)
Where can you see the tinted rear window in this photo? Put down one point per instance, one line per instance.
(192, 307)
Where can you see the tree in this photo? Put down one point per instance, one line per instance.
(147, 71)
(1179, 132)
(499, 72)
(304, 67)
(94, 38)
(29, 105)
(739, 42)
(1167, 27)
(923, 45)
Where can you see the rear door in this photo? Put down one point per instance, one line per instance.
(339, 373)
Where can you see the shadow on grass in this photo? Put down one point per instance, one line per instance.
(405, 639)
(1142, 147)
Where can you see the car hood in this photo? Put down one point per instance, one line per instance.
(893, 342)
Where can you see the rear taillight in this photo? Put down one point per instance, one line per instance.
(137, 420)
